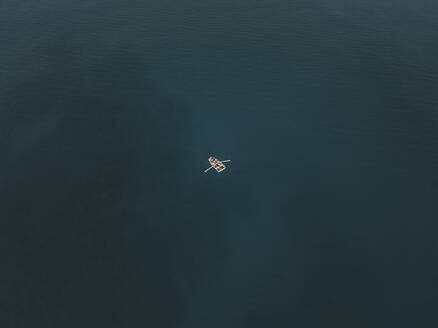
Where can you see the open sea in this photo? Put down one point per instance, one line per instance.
(327, 215)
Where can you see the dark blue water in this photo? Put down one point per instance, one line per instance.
(326, 216)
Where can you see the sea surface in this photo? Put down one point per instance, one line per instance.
(326, 216)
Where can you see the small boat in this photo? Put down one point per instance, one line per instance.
(216, 164)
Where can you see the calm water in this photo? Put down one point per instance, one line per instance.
(326, 216)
